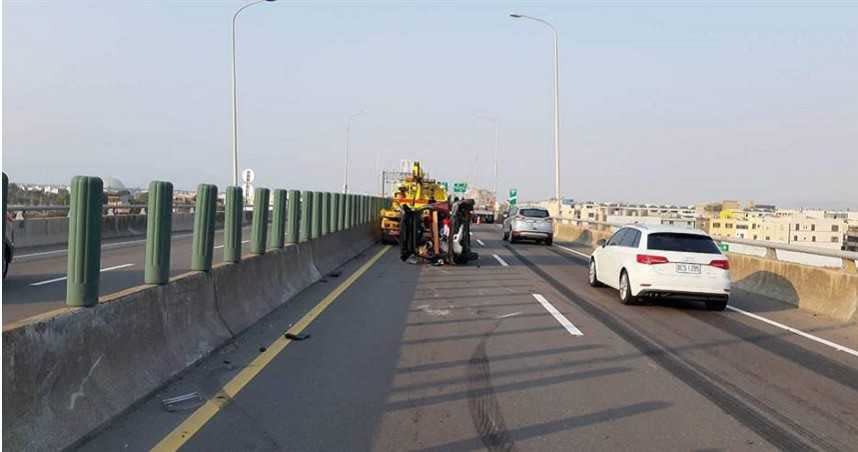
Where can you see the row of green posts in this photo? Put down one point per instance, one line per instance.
(296, 217)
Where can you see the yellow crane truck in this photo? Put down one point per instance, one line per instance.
(426, 223)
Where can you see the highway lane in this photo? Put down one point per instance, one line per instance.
(36, 281)
(413, 357)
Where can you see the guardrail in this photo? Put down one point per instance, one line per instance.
(848, 258)
(311, 216)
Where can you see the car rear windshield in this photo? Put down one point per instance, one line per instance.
(534, 213)
(689, 243)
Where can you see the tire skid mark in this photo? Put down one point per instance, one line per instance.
(483, 404)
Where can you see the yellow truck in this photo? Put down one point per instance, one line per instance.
(426, 224)
(415, 191)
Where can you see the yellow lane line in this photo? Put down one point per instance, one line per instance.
(190, 426)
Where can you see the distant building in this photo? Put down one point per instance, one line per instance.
(851, 241)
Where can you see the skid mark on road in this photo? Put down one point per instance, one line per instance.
(483, 404)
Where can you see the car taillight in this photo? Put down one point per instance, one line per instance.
(721, 263)
(647, 259)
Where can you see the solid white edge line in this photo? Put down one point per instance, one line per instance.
(557, 315)
(502, 262)
(833, 345)
(481, 242)
(107, 269)
(572, 251)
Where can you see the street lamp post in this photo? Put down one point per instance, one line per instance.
(556, 107)
(348, 139)
(234, 97)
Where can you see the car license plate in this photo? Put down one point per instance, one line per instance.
(688, 268)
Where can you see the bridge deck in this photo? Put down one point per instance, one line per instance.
(412, 357)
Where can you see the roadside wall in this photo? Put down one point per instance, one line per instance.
(68, 372)
(578, 235)
(32, 232)
(831, 292)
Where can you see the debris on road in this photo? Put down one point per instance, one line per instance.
(506, 316)
(431, 311)
(297, 337)
(182, 402)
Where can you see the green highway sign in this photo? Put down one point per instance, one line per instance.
(460, 187)
(445, 185)
(724, 247)
(513, 196)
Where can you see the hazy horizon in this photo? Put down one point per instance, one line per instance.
(675, 103)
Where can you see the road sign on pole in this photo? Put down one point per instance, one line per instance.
(513, 196)
(460, 187)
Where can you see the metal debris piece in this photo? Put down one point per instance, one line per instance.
(182, 402)
(297, 337)
(335, 274)
(511, 314)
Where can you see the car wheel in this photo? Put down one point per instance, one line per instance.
(512, 238)
(716, 305)
(626, 296)
(592, 277)
(549, 241)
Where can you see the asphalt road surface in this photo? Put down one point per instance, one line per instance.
(36, 281)
(515, 353)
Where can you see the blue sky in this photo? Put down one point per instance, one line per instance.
(660, 101)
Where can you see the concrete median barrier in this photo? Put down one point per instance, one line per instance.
(332, 250)
(830, 292)
(69, 372)
(578, 235)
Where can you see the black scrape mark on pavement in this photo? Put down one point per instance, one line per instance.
(483, 404)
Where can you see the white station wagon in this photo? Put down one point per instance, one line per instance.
(660, 261)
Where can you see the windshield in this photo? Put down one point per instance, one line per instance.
(690, 243)
(534, 213)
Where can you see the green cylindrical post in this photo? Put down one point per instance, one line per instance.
(84, 253)
(347, 224)
(159, 231)
(356, 210)
(335, 212)
(341, 211)
(306, 216)
(364, 209)
(293, 216)
(259, 227)
(326, 213)
(278, 221)
(5, 205)
(316, 216)
(205, 213)
(232, 219)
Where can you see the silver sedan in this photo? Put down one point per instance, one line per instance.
(528, 223)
